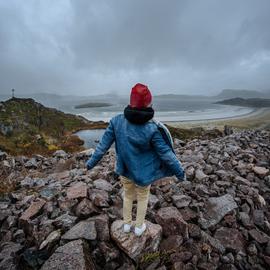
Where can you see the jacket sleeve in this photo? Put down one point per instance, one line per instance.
(103, 146)
(167, 155)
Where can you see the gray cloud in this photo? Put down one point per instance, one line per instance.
(90, 47)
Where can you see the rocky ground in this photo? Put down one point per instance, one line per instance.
(60, 216)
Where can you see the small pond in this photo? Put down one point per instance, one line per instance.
(90, 137)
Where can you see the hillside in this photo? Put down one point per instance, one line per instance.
(27, 126)
(233, 93)
(60, 216)
(248, 102)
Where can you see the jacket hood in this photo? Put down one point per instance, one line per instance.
(138, 116)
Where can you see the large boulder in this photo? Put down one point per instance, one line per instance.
(200, 175)
(74, 255)
(135, 246)
(181, 201)
(261, 171)
(99, 197)
(78, 190)
(31, 164)
(48, 193)
(102, 227)
(216, 244)
(60, 154)
(8, 254)
(241, 181)
(216, 208)
(51, 239)
(171, 243)
(84, 229)
(65, 221)
(33, 210)
(231, 239)
(103, 185)
(85, 209)
(171, 221)
(153, 201)
(259, 236)
(85, 154)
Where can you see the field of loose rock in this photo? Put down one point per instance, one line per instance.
(57, 215)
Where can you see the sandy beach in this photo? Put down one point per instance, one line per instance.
(258, 118)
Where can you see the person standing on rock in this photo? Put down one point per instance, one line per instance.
(144, 154)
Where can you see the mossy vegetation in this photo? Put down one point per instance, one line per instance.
(28, 127)
(148, 258)
(192, 133)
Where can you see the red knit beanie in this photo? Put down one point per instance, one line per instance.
(140, 96)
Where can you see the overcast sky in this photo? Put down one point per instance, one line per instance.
(91, 47)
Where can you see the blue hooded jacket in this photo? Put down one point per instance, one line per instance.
(144, 153)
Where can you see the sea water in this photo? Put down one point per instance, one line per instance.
(164, 111)
(178, 111)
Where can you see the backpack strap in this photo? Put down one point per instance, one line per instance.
(164, 132)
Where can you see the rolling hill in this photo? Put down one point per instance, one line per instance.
(27, 126)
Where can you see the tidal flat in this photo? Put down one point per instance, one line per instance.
(259, 118)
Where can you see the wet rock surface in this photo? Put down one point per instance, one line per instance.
(60, 216)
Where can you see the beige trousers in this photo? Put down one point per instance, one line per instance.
(132, 191)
